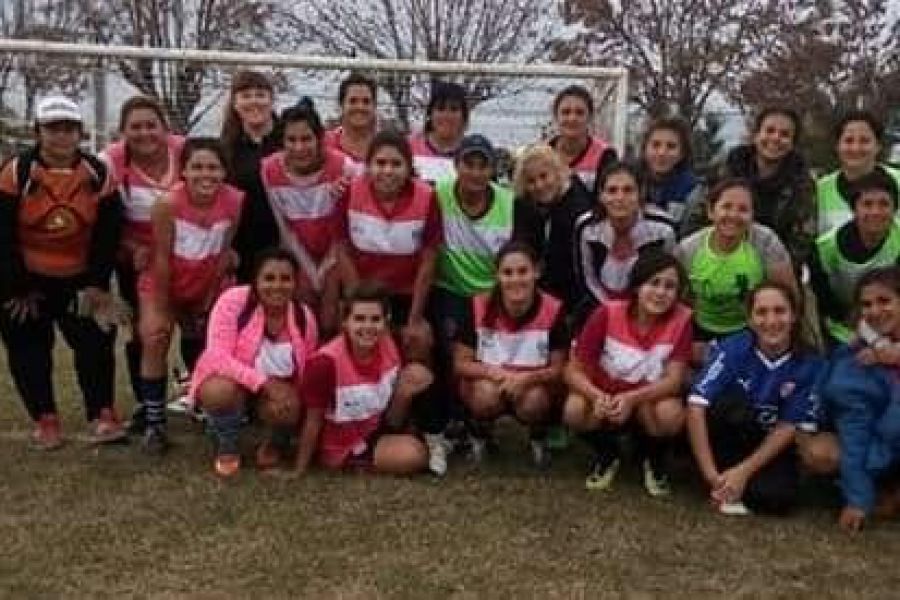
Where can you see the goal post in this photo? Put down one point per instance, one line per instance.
(516, 111)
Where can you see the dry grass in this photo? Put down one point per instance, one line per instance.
(112, 523)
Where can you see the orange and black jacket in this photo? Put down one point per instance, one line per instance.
(61, 225)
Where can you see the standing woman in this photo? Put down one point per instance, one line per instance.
(778, 178)
(629, 366)
(859, 136)
(191, 263)
(727, 260)
(258, 343)
(584, 153)
(60, 224)
(559, 198)
(509, 356)
(250, 132)
(357, 395)
(146, 165)
(358, 98)
(303, 183)
(754, 393)
(609, 239)
(870, 240)
(666, 167)
(390, 233)
(446, 119)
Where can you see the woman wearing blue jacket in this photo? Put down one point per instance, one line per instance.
(862, 394)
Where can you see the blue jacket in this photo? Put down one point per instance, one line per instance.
(865, 405)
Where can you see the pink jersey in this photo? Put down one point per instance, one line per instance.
(585, 166)
(430, 164)
(517, 346)
(200, 241)
(140, 191)
(307, 205)
(333, 140)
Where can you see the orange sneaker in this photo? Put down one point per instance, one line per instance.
(106, 428)
(46, 434)
(227, 465)
(267, 456)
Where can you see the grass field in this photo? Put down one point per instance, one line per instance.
(97, 523)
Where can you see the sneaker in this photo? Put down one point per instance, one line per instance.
(438, 450)
(46, 434)
(267, 456)
(106, 429)
(155, 441)
(227, 465)
(602, 473)
(733, 509)
(540, 454)
(656, 480)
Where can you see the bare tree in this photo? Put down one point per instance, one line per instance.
(183, 87)
(679, 53)
(439, 30)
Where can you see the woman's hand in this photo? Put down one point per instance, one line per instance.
(514, 384)
(602, 403)
(852, 519)
(620, 407)
(730, 485)
(23, 307)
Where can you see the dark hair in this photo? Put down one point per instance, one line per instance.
(513, 246)
(614, 169)
(303, 112)
(394, 139)
(365, 291)
(142, 102)
(888, 277)
(650, 263)
(877, 180)
(788, 113)
(574, 91)
(196, 144)
(864, 116)
(798, 342)
(260, 260)
(680, 128)
(723, 185)
(243, 79)
(445, 94)
(356, 78)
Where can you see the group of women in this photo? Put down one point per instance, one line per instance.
(376, 301)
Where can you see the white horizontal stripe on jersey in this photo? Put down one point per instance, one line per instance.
(296, 203)
(370, 233)
(461, 233)
(432, 168)
(526, 349)
(193, 242)
(139, 201)
(365, 400)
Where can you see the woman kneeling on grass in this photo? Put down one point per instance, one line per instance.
(258, 343)
(358, 395)
(191, 262)
(861, 395)
(754, 393)
(629, 365)
(511, 353)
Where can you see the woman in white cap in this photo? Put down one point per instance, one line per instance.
(60, 221)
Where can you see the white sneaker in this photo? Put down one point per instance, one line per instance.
(734, 509)
(477, 449)
(438, 449)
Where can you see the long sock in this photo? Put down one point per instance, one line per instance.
(604, 443)
(153, 396)
(133, 361)
(226, 427)
(191, 348)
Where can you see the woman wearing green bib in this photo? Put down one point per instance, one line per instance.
(728, 259)
(858, 140)
(870, 240)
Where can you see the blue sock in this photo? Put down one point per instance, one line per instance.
(153, 397)
(226, 427)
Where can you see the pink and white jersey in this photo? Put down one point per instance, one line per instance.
(139, 191)
(306, 205)
(333, 140)
(430, 164)
(504, 344)
(200, 240)
(585, 166)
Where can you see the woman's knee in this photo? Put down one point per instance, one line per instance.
(577, 413)
(482, 398)
(284, 412)
(415, 377)
(819, 453)
(534, 406)
(400, 455)
(662, 419)
(219, 394)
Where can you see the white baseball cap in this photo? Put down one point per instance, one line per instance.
(53, 109)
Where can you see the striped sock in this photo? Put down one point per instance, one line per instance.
(226, 427)
(153, 397)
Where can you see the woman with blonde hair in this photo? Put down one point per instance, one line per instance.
(559, 198)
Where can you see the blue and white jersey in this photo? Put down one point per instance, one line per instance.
(784, 389)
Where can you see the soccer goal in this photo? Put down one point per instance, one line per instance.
(511, 103)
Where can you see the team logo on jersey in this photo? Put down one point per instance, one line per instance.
(61, 221)
(787, 388)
